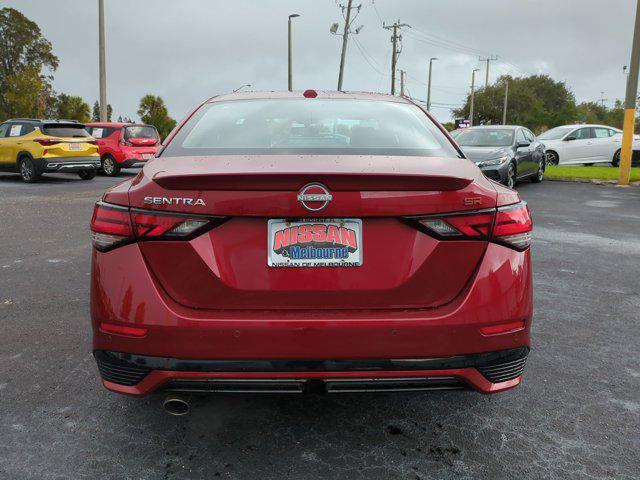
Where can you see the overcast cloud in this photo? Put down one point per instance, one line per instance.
(189, 50)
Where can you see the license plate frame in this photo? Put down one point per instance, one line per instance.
(322, 242)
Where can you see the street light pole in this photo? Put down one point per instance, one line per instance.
(431, 60)
(506, 101)
(630, 105)
(290, 72)
(473, 85)
(102, 63)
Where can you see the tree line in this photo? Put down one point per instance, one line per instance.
(537, 102)
(27, 66)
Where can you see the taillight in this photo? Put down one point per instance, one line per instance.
(475, 226)
(513, 226)
(47, 141)
(510, 226)
(110, 226)
(113, 226)
(153, 225)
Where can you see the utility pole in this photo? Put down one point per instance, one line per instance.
(488, 60)
(602, 99)
(402, 83)
(473, 85)
(102, 63)
(630, 105)
(506, 101)
(290, 72)
(431, 60)
(395, 40)
(345, 36)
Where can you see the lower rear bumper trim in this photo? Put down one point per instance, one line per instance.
(140, 374)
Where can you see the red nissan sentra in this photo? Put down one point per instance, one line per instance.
(292, 242)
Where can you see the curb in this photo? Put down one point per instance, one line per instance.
(593, 181)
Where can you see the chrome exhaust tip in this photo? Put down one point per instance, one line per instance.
(176, 405)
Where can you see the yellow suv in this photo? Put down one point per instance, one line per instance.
(32, 147)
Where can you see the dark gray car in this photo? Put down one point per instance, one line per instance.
(505, 154)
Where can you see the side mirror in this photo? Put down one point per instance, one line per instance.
(570, 139)
(523, 144)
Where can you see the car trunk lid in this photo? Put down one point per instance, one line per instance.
(398, 265)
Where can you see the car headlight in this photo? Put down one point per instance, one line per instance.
(495, 161)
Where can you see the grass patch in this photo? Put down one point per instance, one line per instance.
(598, 173)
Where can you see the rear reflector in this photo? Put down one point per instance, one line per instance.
(510, 226)
(113, 226)
(123, 330)
(502, 328)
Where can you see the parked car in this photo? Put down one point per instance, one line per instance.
(505, 154)
(32, 147)
(124, 145)
(286, 241)
(583, 144)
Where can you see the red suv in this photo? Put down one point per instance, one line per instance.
(293, 242)
(124, 145)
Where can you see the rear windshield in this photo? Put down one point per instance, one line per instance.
(140, 131)
(485, 137)
(310, 126)
(73, 131)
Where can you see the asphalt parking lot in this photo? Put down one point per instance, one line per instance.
(577, 414)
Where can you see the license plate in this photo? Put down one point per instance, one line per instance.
(147, 156)
(315, 242)
(75, 146)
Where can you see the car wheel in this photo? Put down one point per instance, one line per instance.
(28, 170)
(511, 176)
(109, 166)
(616, 159)
(552, 158)
(588, 164)
(539, 175)
(87, 174)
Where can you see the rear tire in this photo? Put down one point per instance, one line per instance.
(511, 176)
(552, 158)
(87, 174)
(616, 159)
(109, 166)
(539, 175)
(28, 171)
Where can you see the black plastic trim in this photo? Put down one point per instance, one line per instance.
(474, 360)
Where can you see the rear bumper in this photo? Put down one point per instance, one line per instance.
(124, 292)
(139, 374)
(67, 164)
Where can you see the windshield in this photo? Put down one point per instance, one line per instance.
(65, 131)
(140, 131)
(310, 126)
(555, 133)
(485, 137)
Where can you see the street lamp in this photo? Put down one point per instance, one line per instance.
(431, 60)
(473, 86)
(290, 77)
(241, 87)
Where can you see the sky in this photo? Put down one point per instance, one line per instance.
(189, 50)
